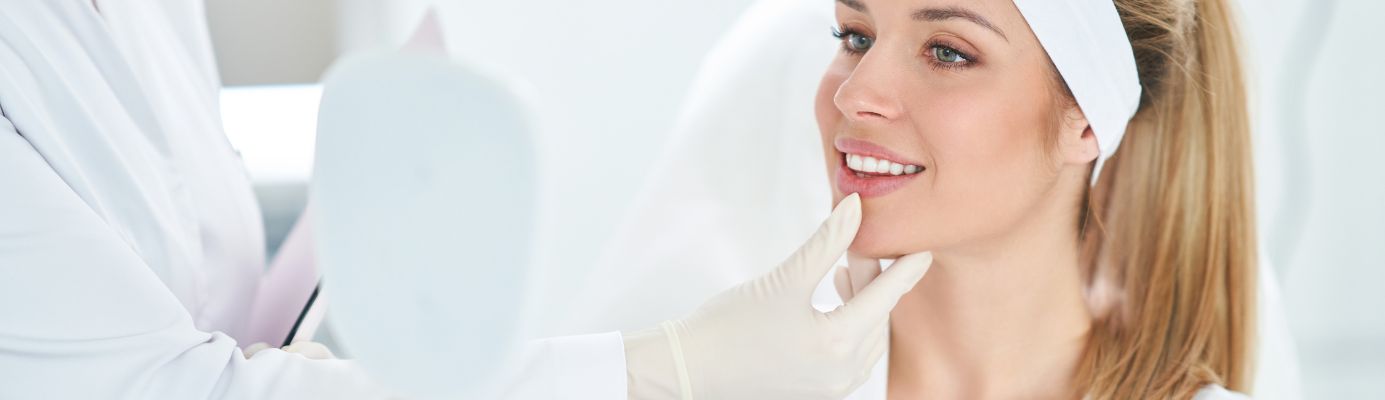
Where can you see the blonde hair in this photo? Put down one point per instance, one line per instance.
(1172, 225)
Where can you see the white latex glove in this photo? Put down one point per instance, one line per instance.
(764, 340)
(858, 273)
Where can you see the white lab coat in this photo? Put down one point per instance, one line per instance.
(131, 246)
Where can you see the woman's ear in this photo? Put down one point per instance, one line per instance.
(1076, 141)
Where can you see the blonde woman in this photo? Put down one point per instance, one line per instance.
(1089, 241)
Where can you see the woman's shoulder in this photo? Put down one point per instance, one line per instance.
(1217, 392)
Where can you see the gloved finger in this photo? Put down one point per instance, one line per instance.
(863, 270)
(254, 348)
(806, 267)
(874, 303)
(311, 350)
(841, 279)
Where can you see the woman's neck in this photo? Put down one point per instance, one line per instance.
(1009, 321)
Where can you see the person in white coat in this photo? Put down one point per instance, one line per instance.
(131, 247)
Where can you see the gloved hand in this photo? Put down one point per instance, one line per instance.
(764, 340)
(858, 273)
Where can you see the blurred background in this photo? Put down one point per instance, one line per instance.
(608, 78)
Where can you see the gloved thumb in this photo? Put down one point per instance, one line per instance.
(874, 302)
(806, 267)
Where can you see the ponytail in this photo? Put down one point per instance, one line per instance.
(1174, 228)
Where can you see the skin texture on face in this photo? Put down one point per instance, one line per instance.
(964, 89)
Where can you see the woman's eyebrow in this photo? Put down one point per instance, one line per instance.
(939, 14)
(854, 5)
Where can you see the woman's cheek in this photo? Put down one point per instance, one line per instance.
(829, 118)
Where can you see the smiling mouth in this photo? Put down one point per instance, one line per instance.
(872, 170)
(867, 166)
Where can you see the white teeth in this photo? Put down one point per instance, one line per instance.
(872, 165)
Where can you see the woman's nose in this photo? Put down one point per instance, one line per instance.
(867, 95)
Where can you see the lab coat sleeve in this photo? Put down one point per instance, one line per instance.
(83, 317)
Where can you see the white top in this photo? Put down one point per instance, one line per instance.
(131, 246)
(875, 388)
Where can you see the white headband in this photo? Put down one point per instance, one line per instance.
(1087, 42)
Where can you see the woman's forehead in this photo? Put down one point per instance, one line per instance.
(992, 10)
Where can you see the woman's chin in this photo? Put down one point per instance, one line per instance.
(874, 246)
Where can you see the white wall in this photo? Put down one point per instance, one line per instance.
(1334, 278)
(1320, 72)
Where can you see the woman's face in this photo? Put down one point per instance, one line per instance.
(961, 94)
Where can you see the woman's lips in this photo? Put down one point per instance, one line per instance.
(849, 181)
(881, 172)
(857, 146)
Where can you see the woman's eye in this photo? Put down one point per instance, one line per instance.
(948, 55)
(852, 41)
(858, 43)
